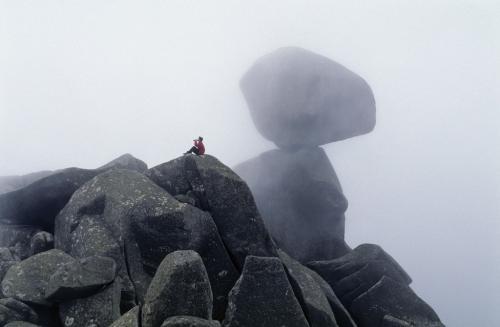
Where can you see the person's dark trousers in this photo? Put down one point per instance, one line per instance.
(194, 150)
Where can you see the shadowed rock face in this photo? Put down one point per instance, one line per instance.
(225, 195)
(38, 203)
(263, 297)
(299, 98)
(180, 287)
(301, 201)
(124, 215)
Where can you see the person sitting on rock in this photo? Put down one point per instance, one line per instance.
(198, 147)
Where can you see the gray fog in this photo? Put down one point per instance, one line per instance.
(82, 82)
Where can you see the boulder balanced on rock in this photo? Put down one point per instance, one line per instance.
(301, 200)
(298, 98)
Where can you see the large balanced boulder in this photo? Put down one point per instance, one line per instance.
(123, 215)
(37, 204)
(299, 98)
(263, 297)
(301, 200)
(180, 288)
(28, 280)
(225, 195)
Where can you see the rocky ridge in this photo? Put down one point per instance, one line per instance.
(180, 244)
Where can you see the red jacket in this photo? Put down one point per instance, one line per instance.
(199, 145)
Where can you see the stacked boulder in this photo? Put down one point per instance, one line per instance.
(301, 100)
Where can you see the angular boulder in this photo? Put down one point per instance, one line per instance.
(354, 273)
(342, 316)
(179, 287)
(263, 297)
(28, 280)
(80, 279)
(99, 309)
(123, 215)
(301, 200)
(313, 301)
(188, 321)
(298, 98)
(225, 195)
(388, 297)
(129, 319)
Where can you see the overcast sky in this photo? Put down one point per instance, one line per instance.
(82, 82)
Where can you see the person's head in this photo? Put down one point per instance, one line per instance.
(200, 138)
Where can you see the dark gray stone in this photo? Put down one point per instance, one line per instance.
(129, 319)
(388, 297)
(263, 297)
(185, 228)
(298, 98)
(313, 301)
(95, 223)
(41, 242)
(226, 196)
(100, 309)
(18, 238)
(27, 280)
(187, 321)
(342, 316)
(80, 279)
(179, 287)
(12, 310)
(126, 161)
(123, 215)
(356, 272)
(301, 200)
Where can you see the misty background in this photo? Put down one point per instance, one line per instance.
(82, 82)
